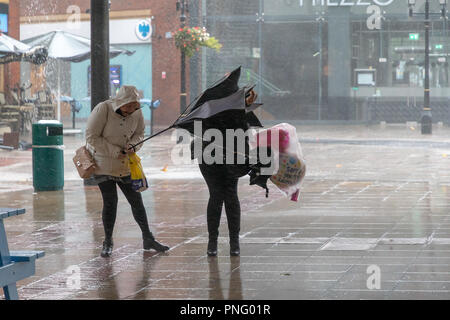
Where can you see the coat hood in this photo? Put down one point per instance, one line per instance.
(125, 95)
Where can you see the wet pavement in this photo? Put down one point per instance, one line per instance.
(364, 206)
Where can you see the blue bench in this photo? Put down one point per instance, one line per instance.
(14, 265)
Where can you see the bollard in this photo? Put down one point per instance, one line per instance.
(48, 156)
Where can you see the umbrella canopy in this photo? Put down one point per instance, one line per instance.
(222, 103)
(14, 50)
(227, 112)
(11, 45)
(220, 89)
(66, 46)
(221, 98)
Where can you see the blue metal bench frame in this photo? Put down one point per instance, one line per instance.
(14, 265)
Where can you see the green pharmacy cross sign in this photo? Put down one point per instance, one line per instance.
(414, 36)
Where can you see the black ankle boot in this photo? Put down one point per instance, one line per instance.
(234, 246)
(151, 243)
(107, 248)
(212, 248)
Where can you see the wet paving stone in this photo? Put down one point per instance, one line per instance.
(384, 207)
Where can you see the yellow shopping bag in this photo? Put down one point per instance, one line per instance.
(138, 180)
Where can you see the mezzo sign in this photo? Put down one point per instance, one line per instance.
(345, 3)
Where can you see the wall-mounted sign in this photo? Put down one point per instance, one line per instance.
(256, 53)
(144, 30)
(414, 36)
(365, 77)
(346, 3)
(327, 7)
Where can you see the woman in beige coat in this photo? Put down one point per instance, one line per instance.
(113, 127)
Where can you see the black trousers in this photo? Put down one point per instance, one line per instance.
(109, 194)
(223, 189)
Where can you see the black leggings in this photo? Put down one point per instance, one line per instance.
(223, 188)
(110, 199)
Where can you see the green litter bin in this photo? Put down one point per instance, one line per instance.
(48, 155)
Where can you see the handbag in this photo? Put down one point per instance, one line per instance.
(84, 162)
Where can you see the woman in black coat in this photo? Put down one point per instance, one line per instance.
(222, 181)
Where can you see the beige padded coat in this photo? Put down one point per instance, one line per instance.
(108, 133)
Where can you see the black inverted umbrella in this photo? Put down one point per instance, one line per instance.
(222, 104)
(228, 112)
(222, 88)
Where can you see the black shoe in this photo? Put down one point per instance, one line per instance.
(212, 248)
(107, 249)
(234, 247)
(153, 244)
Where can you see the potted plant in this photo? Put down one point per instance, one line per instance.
(190, 39)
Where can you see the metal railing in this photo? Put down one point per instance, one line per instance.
(255, 78)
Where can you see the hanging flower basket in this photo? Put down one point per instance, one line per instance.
(189, 40)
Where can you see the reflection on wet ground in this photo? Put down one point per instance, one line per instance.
(361, 206)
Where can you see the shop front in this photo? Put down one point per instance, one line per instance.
(130, 33)
(331, 60)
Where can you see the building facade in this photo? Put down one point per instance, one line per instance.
(311, 60)
(345, 60)
(139, 26)
(9, 24)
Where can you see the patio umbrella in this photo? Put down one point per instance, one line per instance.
(14, 50)
(11, 45)
(65, 46)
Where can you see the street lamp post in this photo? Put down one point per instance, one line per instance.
(182, 6)
(320, 19)
(426, 119)
(100, 89)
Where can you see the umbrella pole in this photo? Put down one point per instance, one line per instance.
(59, 91)
(167, 129)
(152, 136)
